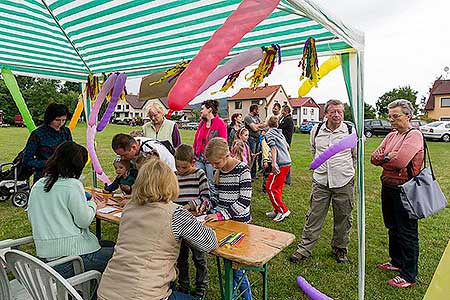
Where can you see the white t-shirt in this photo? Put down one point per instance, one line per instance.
(147, 145)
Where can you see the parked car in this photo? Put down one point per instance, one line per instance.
(307, 126)
(437, 130)
(376, 127)
(191, 126)
(417, 123)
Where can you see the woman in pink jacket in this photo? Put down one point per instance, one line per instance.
(210, 126)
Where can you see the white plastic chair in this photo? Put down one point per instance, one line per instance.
(44, 283)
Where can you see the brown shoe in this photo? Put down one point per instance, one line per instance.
(296, 257)
(341, 255)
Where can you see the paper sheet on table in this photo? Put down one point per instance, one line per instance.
(106, 209)
(201, 218)
(119, 214)
(118, 195)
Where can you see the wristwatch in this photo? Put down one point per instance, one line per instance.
(386, 158)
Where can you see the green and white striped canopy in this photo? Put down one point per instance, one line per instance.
(67, 39)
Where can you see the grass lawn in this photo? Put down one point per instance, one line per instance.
(338, 281)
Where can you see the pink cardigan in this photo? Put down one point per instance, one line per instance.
(203, 135)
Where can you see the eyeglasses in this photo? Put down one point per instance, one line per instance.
(332, 112)
(395, 116)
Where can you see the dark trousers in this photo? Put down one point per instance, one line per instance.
(403, 234)
(255, 147)
(201, 274)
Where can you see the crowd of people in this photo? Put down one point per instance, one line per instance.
(169, 181)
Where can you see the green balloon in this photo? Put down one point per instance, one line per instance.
(13, 87)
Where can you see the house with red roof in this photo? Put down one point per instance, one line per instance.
(438, 103)
(133, 108)
(265, 96)
(304, 109)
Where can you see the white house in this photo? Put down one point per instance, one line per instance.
(304, 109)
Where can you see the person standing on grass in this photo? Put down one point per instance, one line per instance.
(254, 125)
(332, 183)
(286, 124)
(233, 128)
(43, 140)
(231, 199)
(159, 128)
(210, 126)
(194, 192)
(401, 151)
(281, 164)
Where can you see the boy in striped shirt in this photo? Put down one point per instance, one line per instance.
(194, 192)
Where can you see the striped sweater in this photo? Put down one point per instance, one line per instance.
(233, 194)
(193, 188)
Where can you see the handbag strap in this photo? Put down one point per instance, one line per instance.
(426, 154)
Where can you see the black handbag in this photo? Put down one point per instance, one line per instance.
(422, 196)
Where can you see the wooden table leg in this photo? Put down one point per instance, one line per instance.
(228, 279)
(98, 228)
(264, 274)
(219, 272)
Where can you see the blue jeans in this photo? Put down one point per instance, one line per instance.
(255, 147)
(92, 261)
(177, 295)
(237, 275)
(202, 163)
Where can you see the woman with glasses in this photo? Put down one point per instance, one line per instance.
(401, 156)
(43, 140)
(159, 128)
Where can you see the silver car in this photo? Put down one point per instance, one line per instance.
(437, 130)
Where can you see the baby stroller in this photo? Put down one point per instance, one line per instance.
(14, 182)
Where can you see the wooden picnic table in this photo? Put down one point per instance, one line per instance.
(258, 247)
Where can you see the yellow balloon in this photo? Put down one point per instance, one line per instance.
(326, 67)
(76, 113)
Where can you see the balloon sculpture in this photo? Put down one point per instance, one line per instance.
(13, 87)
(310, 291)
(329, 65)
(115, 82)
(235, 64)
(77, 113)
(249, 14)
(348, 142)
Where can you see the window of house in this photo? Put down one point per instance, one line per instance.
(312, 111)
(294, 111)
(119, 106)
(238, 105)
(445, 102)
(305, 111)
(127, 106)
(255, 102)
(126, 115)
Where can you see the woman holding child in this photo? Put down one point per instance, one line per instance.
(150, 234)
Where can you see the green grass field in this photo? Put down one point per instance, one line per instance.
(338, 281)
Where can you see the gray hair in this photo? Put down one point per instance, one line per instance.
(407, 107)
(332, 102)
(157, 107)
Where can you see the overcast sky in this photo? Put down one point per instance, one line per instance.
(406, 43)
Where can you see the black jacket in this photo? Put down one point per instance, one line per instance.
(287, 127)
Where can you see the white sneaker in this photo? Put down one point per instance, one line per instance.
(279, 217)
(286, 214)
(271, 214)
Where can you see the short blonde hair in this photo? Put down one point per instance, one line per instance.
(217, 148)
(156, 106)
(155, 182)
(273, 122)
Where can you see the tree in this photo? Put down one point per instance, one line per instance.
(404, 92)
(195, 116)
(369, 112)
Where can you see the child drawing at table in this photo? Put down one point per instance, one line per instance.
(125, 177)
(194, 192)
(231, 200)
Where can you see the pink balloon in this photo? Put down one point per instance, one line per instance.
(311, 291)
(106, 87)
(348, 142)
(90, 145)
(235, 64)
(249, 14)
(119, 85)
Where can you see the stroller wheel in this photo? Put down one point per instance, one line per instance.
(20, 199)
(4, 198)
